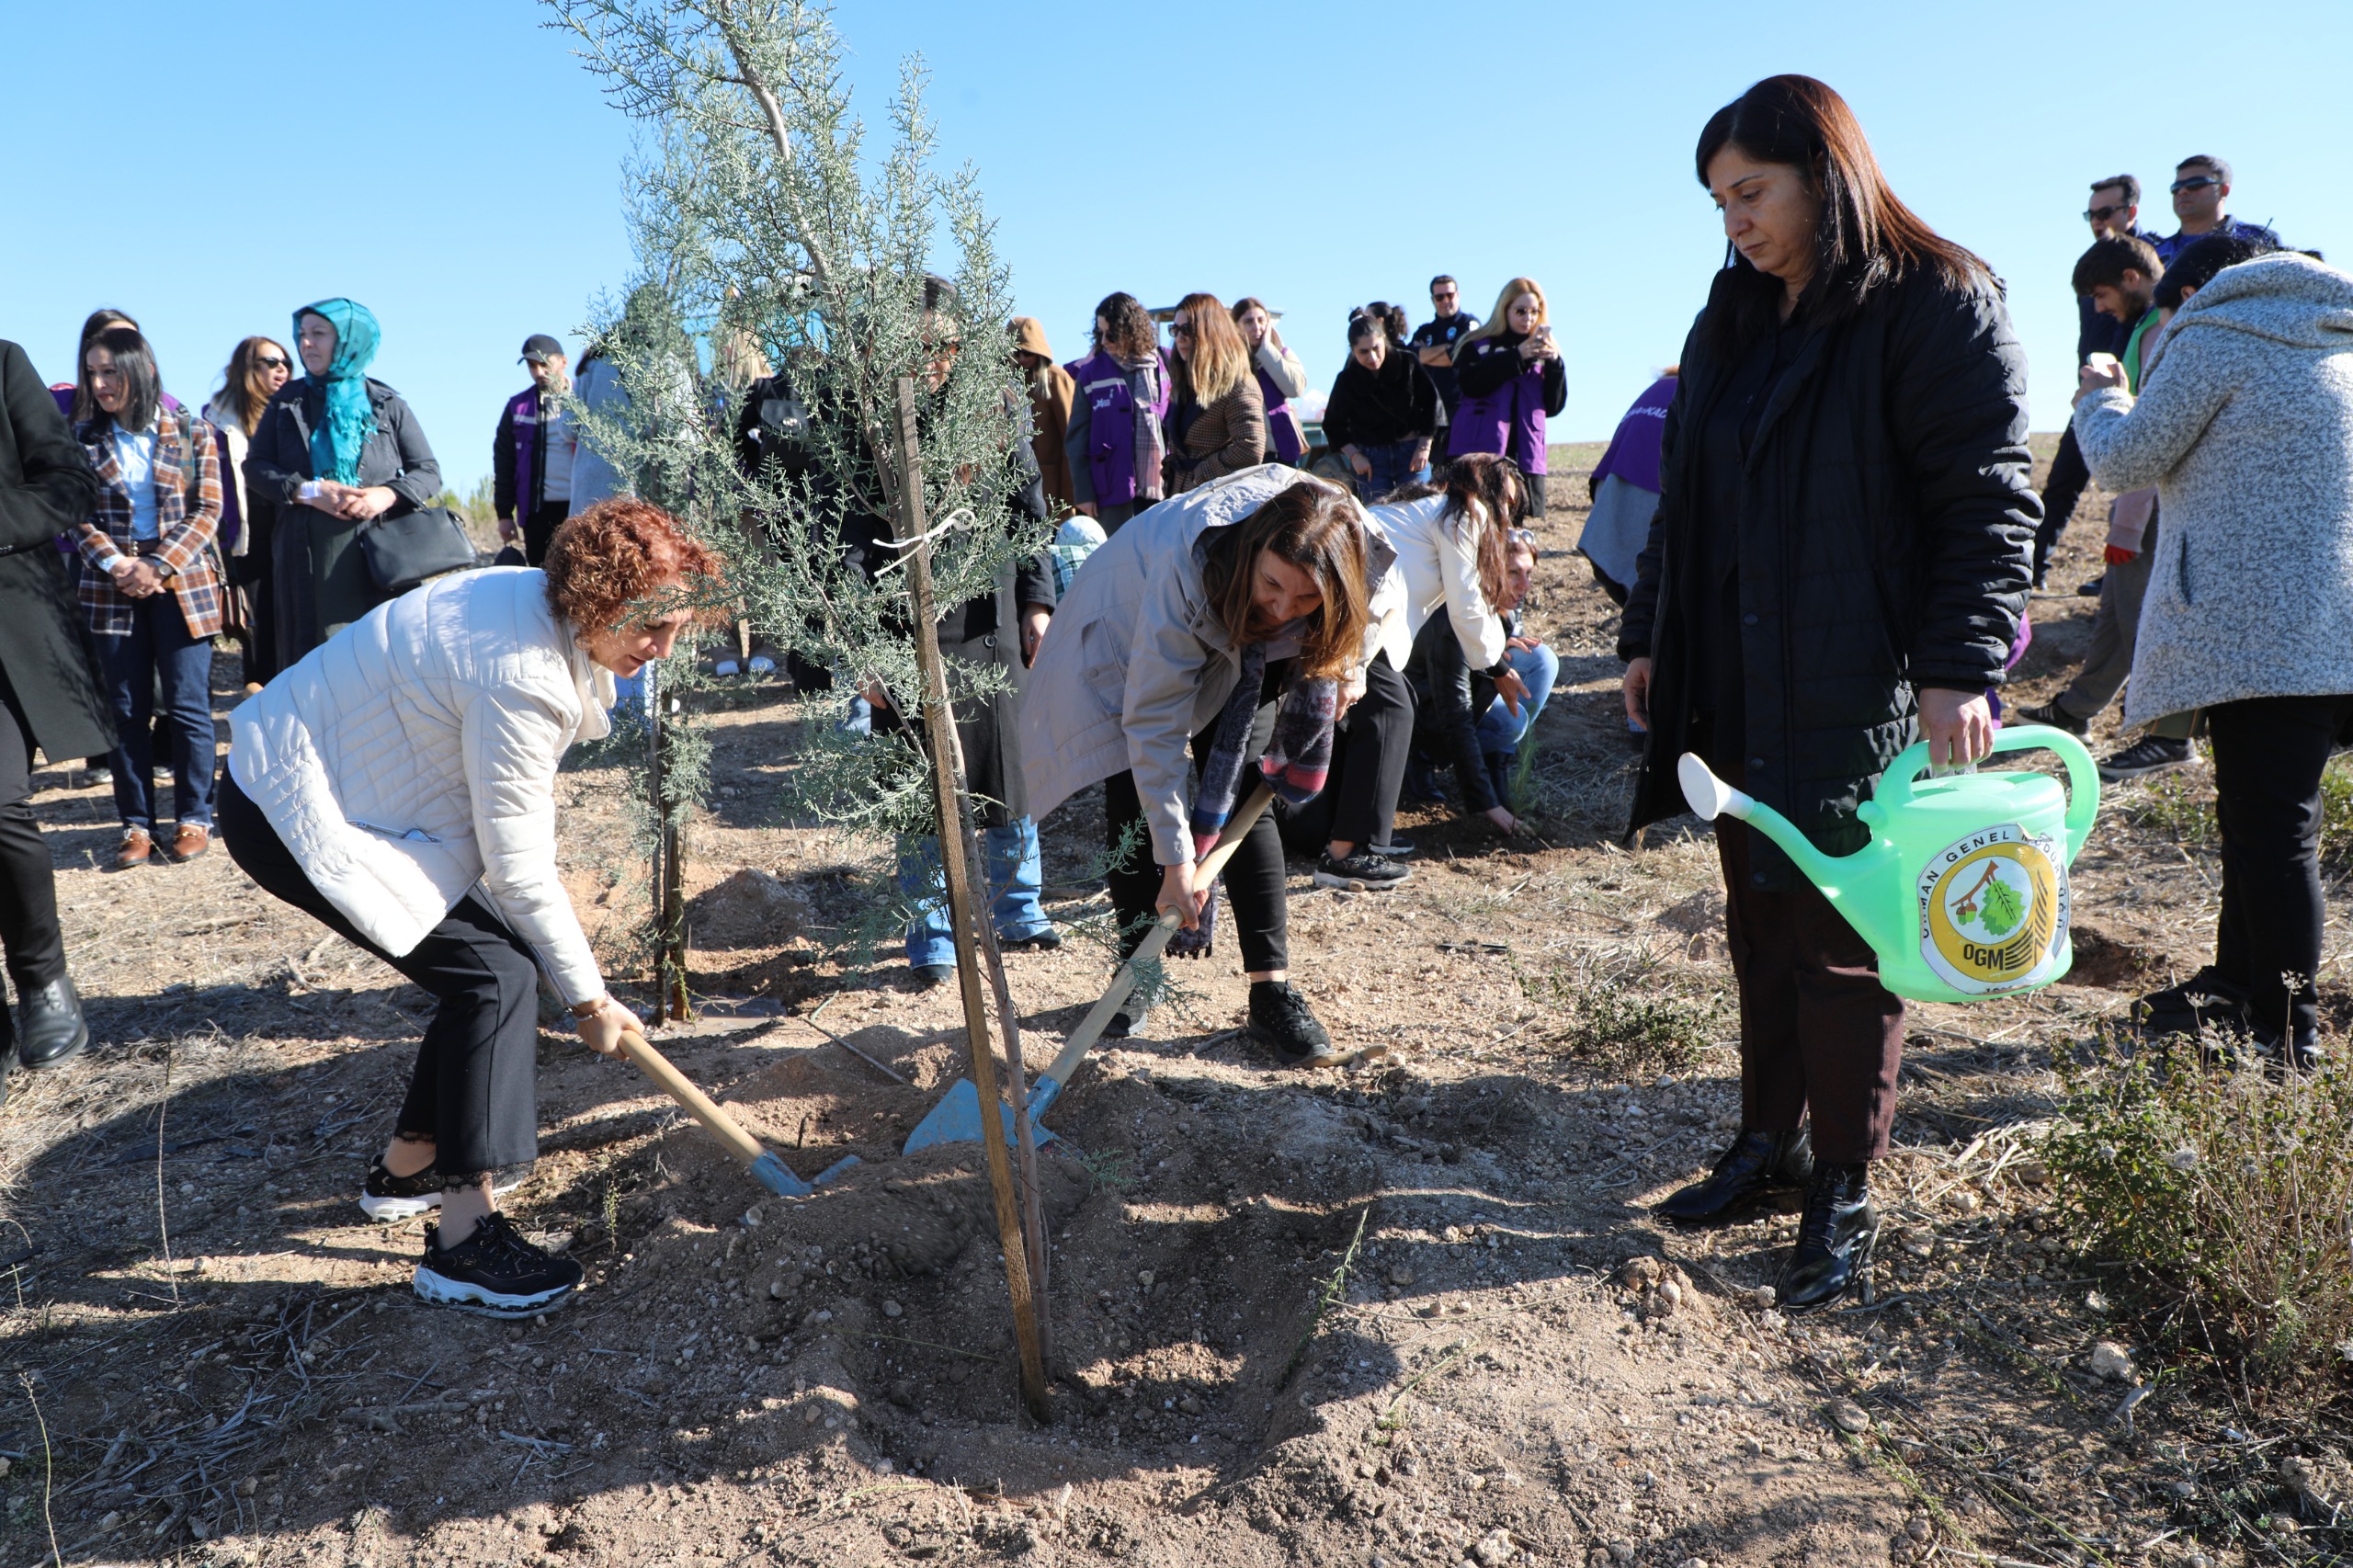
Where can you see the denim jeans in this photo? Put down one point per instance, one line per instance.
(1015, 875)
(1499, 733)
(158, 650)
(1390, 469)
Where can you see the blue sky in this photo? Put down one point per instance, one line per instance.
(451, 166)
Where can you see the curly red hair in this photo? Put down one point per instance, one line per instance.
(619, 553)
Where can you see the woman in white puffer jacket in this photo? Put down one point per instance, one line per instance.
(398, 784)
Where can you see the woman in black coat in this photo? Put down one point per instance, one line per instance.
(47, 698)
(1838, 563)
(1383, 413)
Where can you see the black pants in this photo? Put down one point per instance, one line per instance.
(2268, 754)
(538, 527)
(2069, 476)
(1459, 695)
(1817, 1030)
(29, 929)
(1255, 905)
(473, 1092)
(1370, 751)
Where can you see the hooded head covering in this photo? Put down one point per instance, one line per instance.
(1030, 335)
(350, 419)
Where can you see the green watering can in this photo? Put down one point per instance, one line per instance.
(1962, 889)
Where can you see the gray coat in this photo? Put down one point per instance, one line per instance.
(2244, 424)
(1137, 663)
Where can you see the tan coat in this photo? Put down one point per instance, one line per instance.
(1053, 390)
(1226, 437)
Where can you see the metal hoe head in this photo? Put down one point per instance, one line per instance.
(957, 1118)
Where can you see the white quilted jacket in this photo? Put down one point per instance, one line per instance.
(411, 758)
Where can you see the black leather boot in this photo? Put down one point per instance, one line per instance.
(53, 1031)
(1757, 1166)
(7, 1051)
(1834, 1239)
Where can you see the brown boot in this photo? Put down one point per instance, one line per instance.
(191, 841)
(134, 850)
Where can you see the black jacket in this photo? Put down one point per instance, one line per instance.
(47, 487)
(1400, 403)
(1886, 522)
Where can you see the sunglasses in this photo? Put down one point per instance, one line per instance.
(1182, 329)
(2101, 214)
(2194, 182)
(270, 361)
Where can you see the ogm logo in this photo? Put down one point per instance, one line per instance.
(1992, 909)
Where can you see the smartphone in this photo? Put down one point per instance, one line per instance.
(2097, 360)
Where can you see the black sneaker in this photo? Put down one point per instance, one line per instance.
(387, 1198)
(1395, 849)
(494, 1272)
(2058, 718)
(2091, 590)
(2205, 998)
(1128, 1019)
(2153, 754)
(1280, 1020)
(931, 976)
(1046, 941)
(1360, 872)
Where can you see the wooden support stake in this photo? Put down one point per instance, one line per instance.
(669, 875)
(955, 834)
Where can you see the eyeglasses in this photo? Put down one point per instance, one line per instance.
(1181, 329)
(269, 362)
(2102, 214)
(2194, 182)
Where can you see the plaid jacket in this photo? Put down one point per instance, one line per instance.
(187, 558)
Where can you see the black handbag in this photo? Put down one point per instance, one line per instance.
(405, 551)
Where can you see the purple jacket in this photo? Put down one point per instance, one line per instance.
(1103, 430)
(1505, 403)
(1283, 429)
(1633, 450)
(515, 456)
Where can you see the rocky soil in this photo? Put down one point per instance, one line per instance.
(1414, 1312)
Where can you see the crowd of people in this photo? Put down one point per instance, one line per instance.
(1820, 521)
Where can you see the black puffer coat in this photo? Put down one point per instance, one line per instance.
(1885, 534)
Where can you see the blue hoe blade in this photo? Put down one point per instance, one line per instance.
(771, 1173)
(957, 1118)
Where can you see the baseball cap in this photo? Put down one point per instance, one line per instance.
(538, 348)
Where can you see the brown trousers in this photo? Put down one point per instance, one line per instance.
(1816, 1027)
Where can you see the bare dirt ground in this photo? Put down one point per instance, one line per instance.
(1411, 1313)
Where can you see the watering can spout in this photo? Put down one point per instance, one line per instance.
(1711, 797)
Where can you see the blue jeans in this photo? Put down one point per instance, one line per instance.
(1015, 875)
(157, 650)
(1390, 469)
(1499, 733)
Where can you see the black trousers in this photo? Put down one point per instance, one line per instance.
(29, 930)
(2268, 754)
(1370, 751)
(474, 1092)
(1255, 907)
(1817, 1030)
(1458, 695)
(538, 527)
(2069, 477)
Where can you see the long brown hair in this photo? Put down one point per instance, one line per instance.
(241, 381)
(1220, 360)
(1132, 335)
(1868, 238)
(1318, 529)
(1483, 491)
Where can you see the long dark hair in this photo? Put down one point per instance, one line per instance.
(1132, 335)
(1316, 528)
(134, 361)
(1868, 237)
(96, 322)
(1493, 484)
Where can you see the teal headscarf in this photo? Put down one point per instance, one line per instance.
(336, 443)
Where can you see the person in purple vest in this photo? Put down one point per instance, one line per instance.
(1115, 441)
(1280, 378)
(531, 458)
(1625, 490)
(1512, 381)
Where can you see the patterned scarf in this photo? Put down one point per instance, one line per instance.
(342, 432)
(1294, 766)
(1144, 385)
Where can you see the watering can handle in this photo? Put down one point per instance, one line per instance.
(2083, 773)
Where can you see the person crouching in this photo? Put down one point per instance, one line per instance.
(398, 784)
(1192, 630)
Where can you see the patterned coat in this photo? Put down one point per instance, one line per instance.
(188, 516)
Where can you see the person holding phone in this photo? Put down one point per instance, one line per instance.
(337, 449)
(1512, 381)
